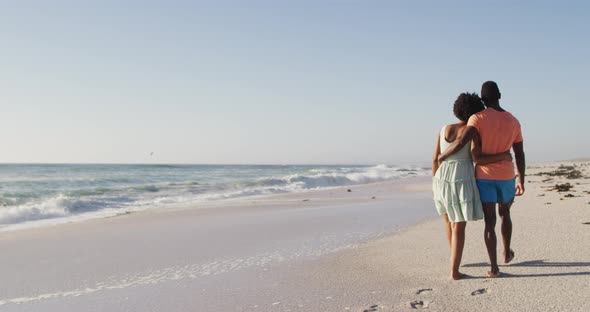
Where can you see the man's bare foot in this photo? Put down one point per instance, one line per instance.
(509, 256)
(493, 274)
(458, 276)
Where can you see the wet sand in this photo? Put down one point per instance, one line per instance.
(213, 256)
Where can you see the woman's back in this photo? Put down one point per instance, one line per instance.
(448, 135)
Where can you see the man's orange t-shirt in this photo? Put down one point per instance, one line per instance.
(498, 132)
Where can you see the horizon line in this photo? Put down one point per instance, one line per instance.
(196, 164)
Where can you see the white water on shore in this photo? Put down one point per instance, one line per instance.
(33, 195)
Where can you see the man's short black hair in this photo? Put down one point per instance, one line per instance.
(490, 91)
(466, 105)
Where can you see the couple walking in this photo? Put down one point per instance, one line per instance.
(484, 136)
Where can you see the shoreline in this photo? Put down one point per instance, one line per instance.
(327, 195)
(105, 261)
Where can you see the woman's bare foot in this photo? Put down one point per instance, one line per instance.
(509, 256)
(457, 276)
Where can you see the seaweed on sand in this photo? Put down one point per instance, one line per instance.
(561, 187)
(569, 172)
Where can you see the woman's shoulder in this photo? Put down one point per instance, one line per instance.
(455, 127)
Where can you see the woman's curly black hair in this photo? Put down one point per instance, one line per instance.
(466, 105)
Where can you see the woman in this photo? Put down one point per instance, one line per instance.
(455, 191)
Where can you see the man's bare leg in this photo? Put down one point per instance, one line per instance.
(448, 227)
(489, 212)
(504, 212)
(458, 242)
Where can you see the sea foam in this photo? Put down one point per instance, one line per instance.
(50, 194)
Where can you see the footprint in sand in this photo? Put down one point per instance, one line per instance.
(372, 308)
(419, 291)
(480, 291)
(419, 304)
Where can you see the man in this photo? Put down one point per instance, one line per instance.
(499, 131)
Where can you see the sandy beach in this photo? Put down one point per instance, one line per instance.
(410, 271)
(328, 250)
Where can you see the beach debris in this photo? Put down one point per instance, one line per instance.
(547, 180)
(419, 304)
(565, 187)
(569, 172)
(540, 195)
(372, 308)
(586, 223)
(419, 291)
(480, 291)
(548, 203)
(306, 200)
(349, 190)
(569, 195)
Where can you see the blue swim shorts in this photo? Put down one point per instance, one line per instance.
(496, 191)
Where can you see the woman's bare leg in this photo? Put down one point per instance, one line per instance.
(457, 244)
(448, 226)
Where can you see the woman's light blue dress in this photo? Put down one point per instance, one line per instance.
(454, 187)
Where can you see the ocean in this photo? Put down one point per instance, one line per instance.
(39, 194)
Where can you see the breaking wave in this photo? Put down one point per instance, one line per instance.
(80, 193)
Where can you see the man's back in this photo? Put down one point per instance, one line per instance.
(498, 130)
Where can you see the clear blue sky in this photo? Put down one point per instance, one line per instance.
(282, 81)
